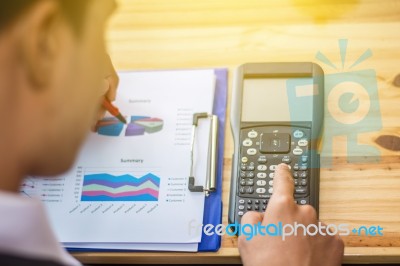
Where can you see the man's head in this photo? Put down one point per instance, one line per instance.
(52, 60)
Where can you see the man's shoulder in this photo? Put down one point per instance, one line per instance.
(12, 260)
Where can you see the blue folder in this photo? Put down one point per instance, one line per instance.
(213, 203)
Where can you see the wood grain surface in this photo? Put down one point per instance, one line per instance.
(176, 34)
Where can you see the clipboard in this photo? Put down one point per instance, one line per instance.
(213, 202)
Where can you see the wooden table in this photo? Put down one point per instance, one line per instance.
(158, 34)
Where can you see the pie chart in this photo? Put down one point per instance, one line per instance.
(138, 126)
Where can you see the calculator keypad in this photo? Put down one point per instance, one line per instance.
(264, 148)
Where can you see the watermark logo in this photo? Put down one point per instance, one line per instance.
(351, 104)
(282, 230)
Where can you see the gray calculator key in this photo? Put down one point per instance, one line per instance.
(250, 168)
(303, 174)
(250, 190)
(240, 213)
(262, 159)
(286, 159)
(250, 182)
(241, 207)
(299, 190)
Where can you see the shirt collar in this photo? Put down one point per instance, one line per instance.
(25, 230)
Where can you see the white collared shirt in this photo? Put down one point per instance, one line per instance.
(26, 232)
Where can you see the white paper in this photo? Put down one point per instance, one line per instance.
(167, 100)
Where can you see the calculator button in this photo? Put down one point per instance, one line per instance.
(261, 175)
(303, 201)
(297, 151)
(256, 208)
(252, 134)
(303, 174)
(241, 201)
(303, 167)
(241, 207)
(286, 159)
(249, 201)
(260, 190)
(270, 190)
(261, 167)
(261, 183)
(250, 174)
(296, 167)
(275, 143)
(257, 201)
(251, 151)
(250, 168)
(296, 182)
(295, 174)
(262, 159)
(250, 190)
(244, 159)
(298, 134)
(240, 213)
(271, 175)
(242, 174)
(242, 182)
(303, 182)
(265, 201)
(300, 190)
(243, 167)
(247, 142)
(242, 190)
(249, 207)
(304, 158)
(272, 167)
(249, 182)
(264, 208)
(302, 142)
(271, 182)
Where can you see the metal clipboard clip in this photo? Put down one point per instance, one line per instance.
(212, 158)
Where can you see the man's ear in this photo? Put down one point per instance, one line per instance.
(39, 42)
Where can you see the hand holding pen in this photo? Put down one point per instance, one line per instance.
(109, 92)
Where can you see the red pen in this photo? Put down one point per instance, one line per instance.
(113, 110)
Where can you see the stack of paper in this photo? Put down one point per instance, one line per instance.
(128, 188)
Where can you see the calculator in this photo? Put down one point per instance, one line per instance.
(276, 117)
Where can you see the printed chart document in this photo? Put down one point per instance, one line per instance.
(129, 183)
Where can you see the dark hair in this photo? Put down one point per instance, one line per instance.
(73, 10)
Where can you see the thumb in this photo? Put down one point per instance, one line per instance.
(252, 217)
(283, 182)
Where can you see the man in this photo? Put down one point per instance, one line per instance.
(53, 73)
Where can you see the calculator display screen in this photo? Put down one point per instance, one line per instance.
(270, 99)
